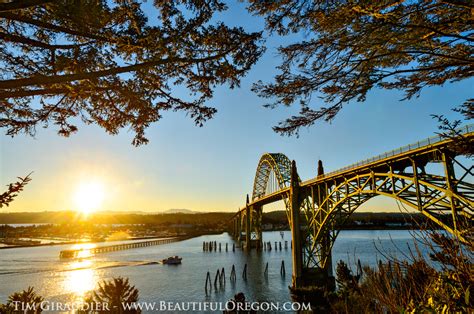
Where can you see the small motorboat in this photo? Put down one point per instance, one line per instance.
(172, 260)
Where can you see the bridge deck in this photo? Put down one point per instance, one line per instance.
(407, 150)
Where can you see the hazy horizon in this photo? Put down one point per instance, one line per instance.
(184, 211)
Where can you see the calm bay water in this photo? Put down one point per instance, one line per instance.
(69, 280)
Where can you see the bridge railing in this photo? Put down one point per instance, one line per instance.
(423, 143)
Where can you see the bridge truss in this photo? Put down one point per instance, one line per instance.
(421, 176)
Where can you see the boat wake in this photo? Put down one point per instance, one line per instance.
(76, 266)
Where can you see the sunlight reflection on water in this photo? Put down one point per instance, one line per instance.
(81, 279)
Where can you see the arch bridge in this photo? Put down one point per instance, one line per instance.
(316, 208)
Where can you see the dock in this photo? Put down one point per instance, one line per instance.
(116, 247)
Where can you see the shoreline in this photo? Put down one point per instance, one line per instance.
(180, 238)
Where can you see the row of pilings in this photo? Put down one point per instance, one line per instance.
(220, 277)
(214, 246)
(267, 246)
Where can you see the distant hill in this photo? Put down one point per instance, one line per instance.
(183, 216)
(65, 217)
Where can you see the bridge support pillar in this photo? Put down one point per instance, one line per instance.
(297, 254)
(256, 226)
(326, 271)
(239, 228)
(248, 227)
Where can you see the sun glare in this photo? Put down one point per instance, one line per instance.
(80, 279)
(89, 197)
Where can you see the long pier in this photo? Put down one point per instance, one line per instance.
(115, 247)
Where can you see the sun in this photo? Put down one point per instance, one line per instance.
(89, 196)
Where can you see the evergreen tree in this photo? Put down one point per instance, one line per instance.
(352, 47)
(115, 63)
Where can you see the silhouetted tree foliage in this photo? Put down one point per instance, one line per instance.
(115, 63)
(13, 189)
(237, 305)
(452, 130)
(350, 47)
(414, 285)
(26, 301)
(118, 294)
(344, 277)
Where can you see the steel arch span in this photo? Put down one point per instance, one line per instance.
(318, 207)
(272, 175)
(427, 193)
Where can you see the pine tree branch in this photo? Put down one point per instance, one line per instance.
(13, 189)
(45, 80)
(32, 42)
(52, 27)
(24, 4)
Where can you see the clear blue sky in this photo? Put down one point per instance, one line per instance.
(212, 168)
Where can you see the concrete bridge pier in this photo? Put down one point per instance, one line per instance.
(238, 228)
(295, 203)
(248, 226)
(325, 273)
(303, 275)
(233, 228)
(257, 225)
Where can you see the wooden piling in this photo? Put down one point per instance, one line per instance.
(216, 278)
(244, 273)
(208, 279)
(359, 268)
(279, 243)
(282, 268)
(233, 276)
(266, 270)
(222, 277)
